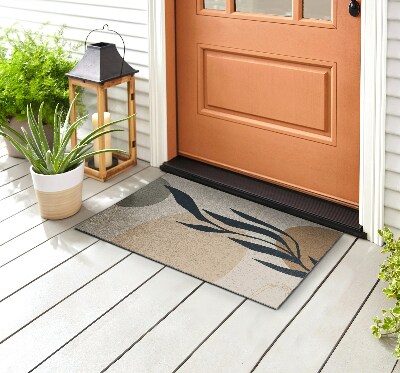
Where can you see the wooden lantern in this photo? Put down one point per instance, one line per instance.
(101, 68)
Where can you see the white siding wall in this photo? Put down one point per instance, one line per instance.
(392, 191)
(128, 17)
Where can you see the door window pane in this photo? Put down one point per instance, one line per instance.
(273, 7)
(317, 9)
(215, 4)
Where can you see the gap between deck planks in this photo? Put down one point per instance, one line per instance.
(7, 162)
(10, 175)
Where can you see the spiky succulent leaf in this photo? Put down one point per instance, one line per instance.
(34, 146)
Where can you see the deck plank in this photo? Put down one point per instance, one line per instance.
(307, 342)
(170, 342)
(42, 232)
(371, 355)
(16, 203)
(3, 151)
(102, 343)
(14, 173)
(7, 162)
(258, 325)
(56, 285)
(15, 186)
(56, 327)
(20, 223)
(28, 267)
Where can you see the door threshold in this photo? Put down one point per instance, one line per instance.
(317, 210)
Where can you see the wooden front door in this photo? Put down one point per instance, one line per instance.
(270, 89)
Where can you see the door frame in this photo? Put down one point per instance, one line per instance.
(162, 96)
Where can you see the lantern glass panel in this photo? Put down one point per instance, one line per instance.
(118, 109)
(86, 125)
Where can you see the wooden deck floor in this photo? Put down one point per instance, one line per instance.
(71, 303)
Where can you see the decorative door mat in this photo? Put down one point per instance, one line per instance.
(252, 250)
(317, 210)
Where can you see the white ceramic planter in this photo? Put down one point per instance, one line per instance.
(59, 196)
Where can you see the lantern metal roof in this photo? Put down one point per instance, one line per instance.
(101, 63)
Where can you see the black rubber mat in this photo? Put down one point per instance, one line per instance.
(311, 208)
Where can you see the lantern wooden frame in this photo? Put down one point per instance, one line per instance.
(124, 161)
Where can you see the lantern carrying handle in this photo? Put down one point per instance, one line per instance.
(108, 29)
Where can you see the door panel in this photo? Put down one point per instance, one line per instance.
(273, 97)
(284, 91)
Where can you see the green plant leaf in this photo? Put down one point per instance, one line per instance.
(389, 273)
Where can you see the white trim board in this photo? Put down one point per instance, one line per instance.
(373, 116)
(157, 83)
(372, 105)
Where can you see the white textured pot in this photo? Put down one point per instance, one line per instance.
(59, 196)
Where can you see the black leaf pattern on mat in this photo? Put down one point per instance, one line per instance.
(187, 203)
(278, 247)
(265, 250)
(245, 226)
(258, 221)
(203, 228)
(286, 271)
(313, 261)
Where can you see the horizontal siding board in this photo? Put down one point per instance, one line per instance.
(80, 17)
(78, 34)
(394, 11)
(392, 144)
(134, 4)
(393, 86)
(393, 105)
(393, 49)
(392, 181)
(394, 30)
(126, 14)
(392, 162)
(393, 125)
(392, 217)
(392, 199)
(392, 177)
(74, 21)
(393, 67)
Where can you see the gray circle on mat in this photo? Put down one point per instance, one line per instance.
(151, 194)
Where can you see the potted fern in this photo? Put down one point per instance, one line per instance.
(33, 67)
(56, 173)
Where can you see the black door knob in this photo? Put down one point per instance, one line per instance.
(354, 8)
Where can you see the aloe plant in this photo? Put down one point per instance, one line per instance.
(55, 160)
